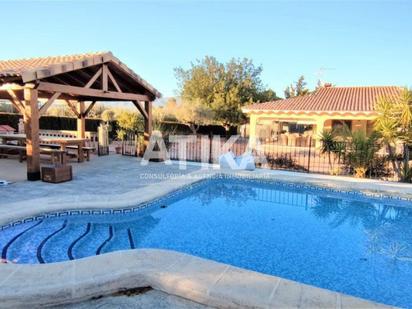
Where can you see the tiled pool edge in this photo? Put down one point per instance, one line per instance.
(200, 280)
(136, 199)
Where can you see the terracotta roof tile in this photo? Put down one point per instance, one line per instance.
(28, 69)
(330, 99)
(17, 67)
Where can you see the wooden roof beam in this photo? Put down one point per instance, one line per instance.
(141, 109)
(73, 78)
(89, 108)
(13, 86)
(94, 78)
(49, 102)
(72, 107)
(15, 100)
(91, 93)
(113, 80)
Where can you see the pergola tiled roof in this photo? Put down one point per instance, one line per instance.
(31, 69)
(74, 79)
(330, 100)
(18, 67)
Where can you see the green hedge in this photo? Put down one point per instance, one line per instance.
(178, 128)
(66, 123)
(51, 122)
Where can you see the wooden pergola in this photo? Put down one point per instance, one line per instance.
(32, 85)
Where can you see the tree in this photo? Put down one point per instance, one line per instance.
(128, 122)
(394, 123)
(108, 116)
(267, 95)
(319, 85)
(194, 114)
(224, 88)
(329, 144)
(171, 104)
(169, 110)
(7, 107)
(297, 88)
(97, 111)
(290, 91)
(301, 89)
(60, 110)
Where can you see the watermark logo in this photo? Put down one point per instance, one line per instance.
(205, 150)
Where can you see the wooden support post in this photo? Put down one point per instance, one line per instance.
(81, 129)
(31, 127)
(147, 122)
(81, 120)
(105, 79)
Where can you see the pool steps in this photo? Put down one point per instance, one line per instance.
(72, 248)
(40, 247)
(131, 240)
(11, 241)
(99, 250)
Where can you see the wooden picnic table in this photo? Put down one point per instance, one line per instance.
(67, 141)
(62, 141)
(20, 138)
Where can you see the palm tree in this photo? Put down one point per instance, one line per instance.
(327, 138)
(362, 151)
(394, 123)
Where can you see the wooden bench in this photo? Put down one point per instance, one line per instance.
(56, 155)
(86, 150)
(51, 146)
(21, 150)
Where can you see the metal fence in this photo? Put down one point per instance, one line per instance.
(306, 158)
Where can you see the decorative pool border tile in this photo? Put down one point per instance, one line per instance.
(351, 192)
(169, 198)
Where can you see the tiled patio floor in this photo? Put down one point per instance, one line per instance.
(113, 174)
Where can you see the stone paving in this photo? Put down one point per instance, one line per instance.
(199, 280)
(149, 300)
(106, 175)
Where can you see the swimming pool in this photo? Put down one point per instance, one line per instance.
(344, 242)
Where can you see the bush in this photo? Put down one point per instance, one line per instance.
(283, 162)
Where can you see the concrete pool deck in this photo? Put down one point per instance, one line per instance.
(200, 280)
(203, 281)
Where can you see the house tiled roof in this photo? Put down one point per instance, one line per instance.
(330, 99)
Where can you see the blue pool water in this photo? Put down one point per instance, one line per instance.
(342, 242)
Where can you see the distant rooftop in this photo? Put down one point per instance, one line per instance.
(330, 99)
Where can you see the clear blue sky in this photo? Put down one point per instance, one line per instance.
(360, 42)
